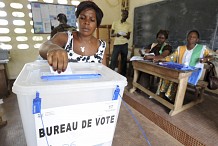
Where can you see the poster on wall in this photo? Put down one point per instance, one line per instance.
(44, 16)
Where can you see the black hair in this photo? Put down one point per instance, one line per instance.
(89, 4)
(62, 18)
(195, 31)
(164, 32)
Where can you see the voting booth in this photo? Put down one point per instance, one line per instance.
(78, 109)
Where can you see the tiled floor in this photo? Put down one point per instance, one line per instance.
(194, 126)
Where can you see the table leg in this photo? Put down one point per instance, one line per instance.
(135, 78)
(180, 95)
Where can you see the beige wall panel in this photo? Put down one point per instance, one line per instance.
(18, 59)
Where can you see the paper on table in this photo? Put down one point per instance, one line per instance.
(149, 54)
(122, 33)
(68, 71)
(136, 58)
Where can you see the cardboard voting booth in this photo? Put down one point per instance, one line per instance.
(79, 109)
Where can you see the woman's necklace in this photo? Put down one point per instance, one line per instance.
(82, 49)
(84, 43)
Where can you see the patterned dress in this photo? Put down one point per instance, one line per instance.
(74, 57)
(183, 56)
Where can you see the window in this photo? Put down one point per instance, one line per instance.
(4, 30)
(21, 38)
(18, 14)
(19, 22)
(20, 30)
(2, 5)
(75, 2)
(37, 38)
(5, 38)
(16, 5)
(3, 14)
(48, 1)
(37, 46)
(16, 29)
(3, 22)
(22, 46)
(62, 1)
(5, 46)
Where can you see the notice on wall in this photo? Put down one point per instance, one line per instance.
(77, 125)
(44, 16)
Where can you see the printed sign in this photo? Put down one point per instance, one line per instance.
(45, 16)
(77, 125)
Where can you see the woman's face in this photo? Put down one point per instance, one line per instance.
(161, 38)
(192, 38)
(87, 22)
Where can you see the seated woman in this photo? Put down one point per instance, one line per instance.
(191, 54)
(160, 49)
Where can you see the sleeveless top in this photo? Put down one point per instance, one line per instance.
(74, 57)
(158, 50)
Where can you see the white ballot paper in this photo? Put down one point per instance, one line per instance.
(68, 71)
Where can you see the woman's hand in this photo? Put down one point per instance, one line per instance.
(58, 59)
(52, 51)
(141, 52)
(148, 57)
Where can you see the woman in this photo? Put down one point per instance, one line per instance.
(160, 49)
(191, 54)
(80, 46)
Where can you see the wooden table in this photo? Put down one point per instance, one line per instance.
(178, 76)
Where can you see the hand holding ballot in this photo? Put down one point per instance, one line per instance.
(57, 59)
